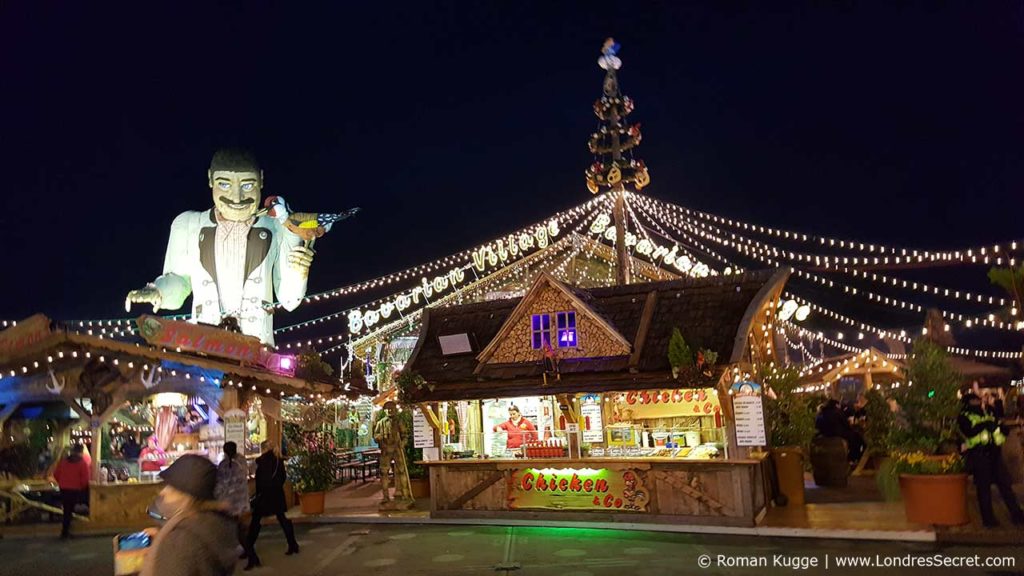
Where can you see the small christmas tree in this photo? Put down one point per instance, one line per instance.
(679, 352)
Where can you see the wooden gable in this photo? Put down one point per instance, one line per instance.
(514, 342)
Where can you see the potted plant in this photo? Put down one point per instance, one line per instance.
(923, 440)
(934, 488)
(311, 470)
(790, 416)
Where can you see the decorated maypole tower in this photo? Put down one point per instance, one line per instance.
(612, 170)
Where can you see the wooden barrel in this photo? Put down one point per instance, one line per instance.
(829, 461)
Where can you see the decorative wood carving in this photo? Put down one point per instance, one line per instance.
(593, 338)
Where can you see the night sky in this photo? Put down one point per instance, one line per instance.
(452, 123)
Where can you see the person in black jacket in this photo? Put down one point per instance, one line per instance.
(832, 423)
(983, 440)
(269, 501)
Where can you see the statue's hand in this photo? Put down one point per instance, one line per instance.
(148, 295)
(301, 258)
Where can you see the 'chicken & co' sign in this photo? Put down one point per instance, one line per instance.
(577, 489)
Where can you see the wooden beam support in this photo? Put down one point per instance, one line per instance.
(646, 315)
(475, 491)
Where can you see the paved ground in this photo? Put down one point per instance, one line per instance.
(469, 550)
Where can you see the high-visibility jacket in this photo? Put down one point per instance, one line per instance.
(984, 438)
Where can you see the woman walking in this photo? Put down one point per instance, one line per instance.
(269, 501)
(233, 488)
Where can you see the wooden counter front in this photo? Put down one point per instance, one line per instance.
(642, 490)
(122, 503)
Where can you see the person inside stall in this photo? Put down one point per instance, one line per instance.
(192, 422)
(519, 429)
(131, 449)
(152, 458)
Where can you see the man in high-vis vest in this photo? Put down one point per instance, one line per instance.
(983, 441)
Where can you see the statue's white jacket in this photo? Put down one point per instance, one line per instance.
(190, 268)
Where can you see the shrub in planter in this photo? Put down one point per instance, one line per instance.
(790, 418)
(311, 469)
(933, 486)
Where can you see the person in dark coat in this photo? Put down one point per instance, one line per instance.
(832, 423)
(198, 536)
(269, 501)
(983, 440)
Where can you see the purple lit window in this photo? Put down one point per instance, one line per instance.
(566, 322)
(541, 330)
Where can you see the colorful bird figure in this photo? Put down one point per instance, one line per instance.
(306, 225)
(610, 48)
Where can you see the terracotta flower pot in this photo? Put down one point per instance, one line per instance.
(935, 499)
(420, 487)
(312, 503)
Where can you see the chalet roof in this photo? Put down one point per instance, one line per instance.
(711, 312)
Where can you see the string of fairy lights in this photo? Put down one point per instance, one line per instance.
(730, 267)
(384, 331)
(495, 275)
(563, 218)
(697, 263)
(965, 255)
(690, 232)
(840, 264)
(760, 251)
(747, 247)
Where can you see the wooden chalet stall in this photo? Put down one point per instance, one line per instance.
(608, 432)
(219, 371)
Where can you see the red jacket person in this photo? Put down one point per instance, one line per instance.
(519, 429)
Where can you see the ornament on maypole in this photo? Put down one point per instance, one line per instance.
(610, 170)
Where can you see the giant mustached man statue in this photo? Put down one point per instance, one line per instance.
(230, 259)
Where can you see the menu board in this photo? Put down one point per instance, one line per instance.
(234, 428)
(590, 418)
(749, 416)
(422, 433)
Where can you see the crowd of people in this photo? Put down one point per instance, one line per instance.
(203, 508)
(846, 421)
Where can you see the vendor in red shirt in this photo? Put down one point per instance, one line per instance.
(152, 458)
(519, 429)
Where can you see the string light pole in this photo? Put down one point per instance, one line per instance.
(610, 170)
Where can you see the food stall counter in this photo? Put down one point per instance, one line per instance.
(643, 489)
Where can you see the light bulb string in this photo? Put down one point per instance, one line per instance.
(887, 281)
(542, 255)
(852, 245)
(741, 246)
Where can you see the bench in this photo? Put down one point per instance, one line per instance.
(369, 461)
